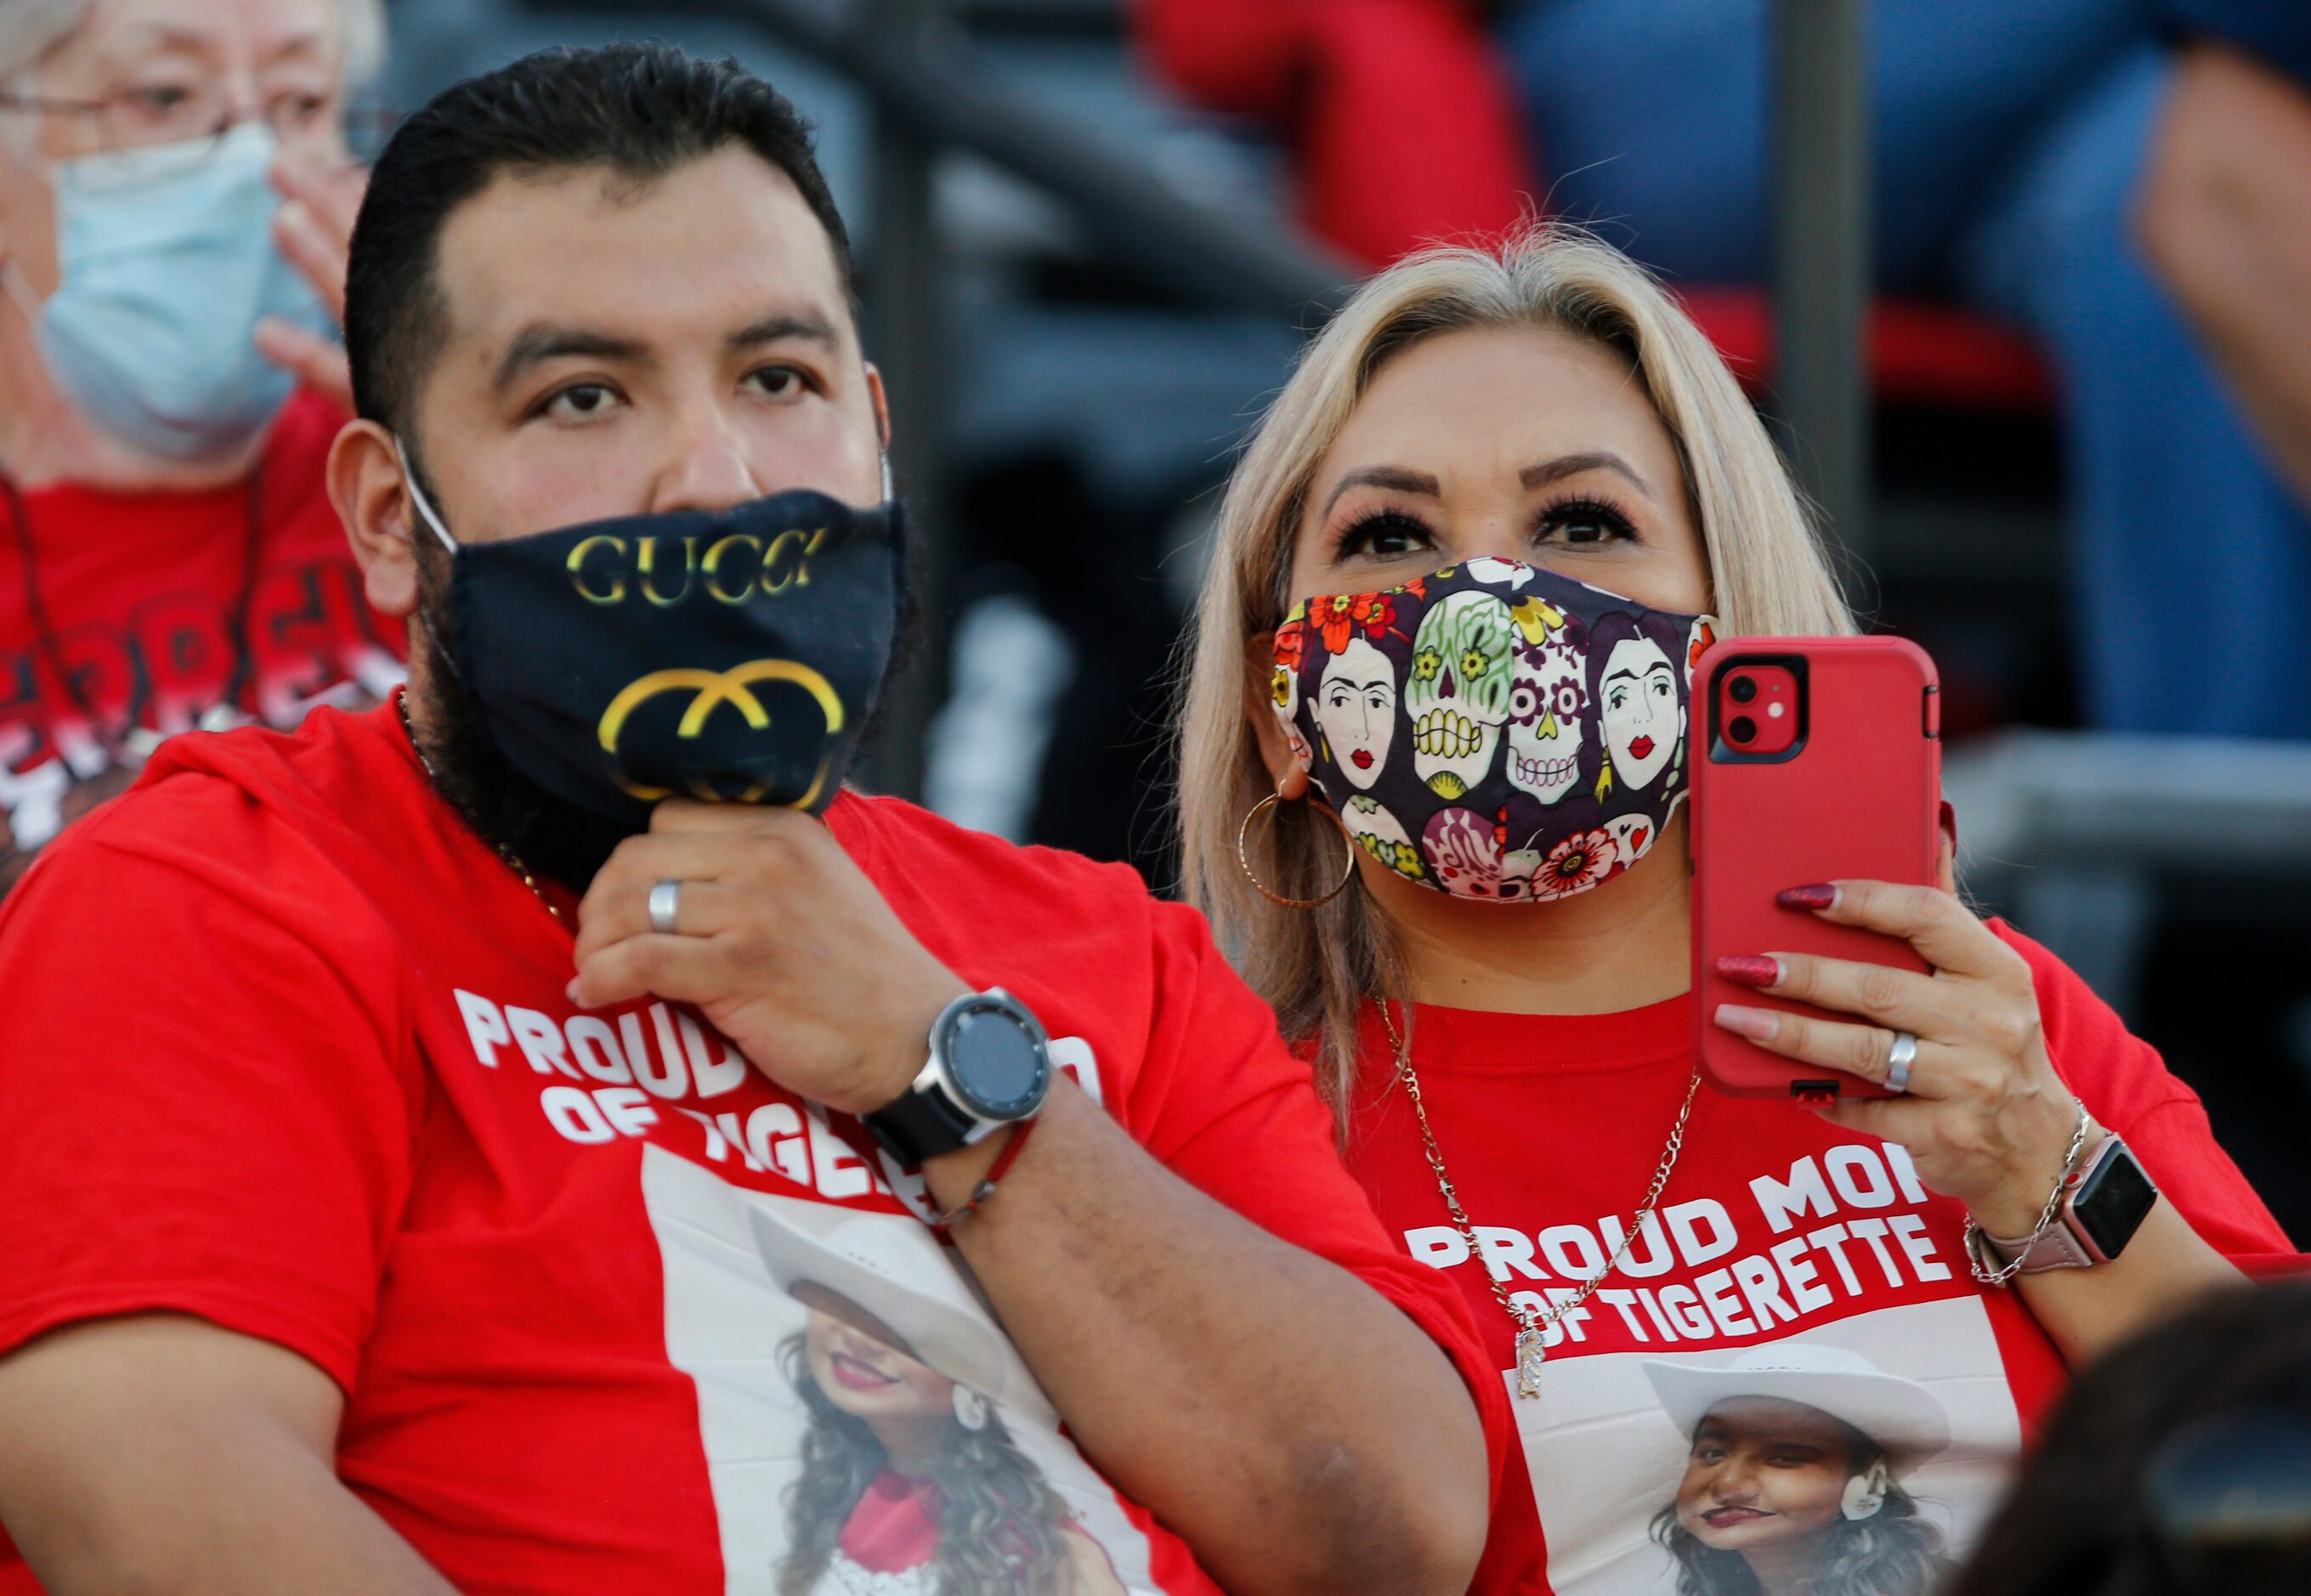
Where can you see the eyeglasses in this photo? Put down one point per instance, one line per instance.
(192, 120)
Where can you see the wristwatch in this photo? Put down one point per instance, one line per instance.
(990, 1066)
(2103, 1205)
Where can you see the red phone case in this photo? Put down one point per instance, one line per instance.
(1858, 798)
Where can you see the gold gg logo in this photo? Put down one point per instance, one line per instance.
(709, 690)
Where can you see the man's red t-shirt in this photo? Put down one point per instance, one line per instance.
(1777, 1231)
(558, 1260)
(120, 609)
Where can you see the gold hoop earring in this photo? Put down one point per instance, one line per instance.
(1243, 855)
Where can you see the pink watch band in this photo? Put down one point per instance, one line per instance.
(2064, 1246)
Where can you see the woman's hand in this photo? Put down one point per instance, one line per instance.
(314, 229)
(1986, 1119)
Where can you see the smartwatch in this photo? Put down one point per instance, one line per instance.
(2102, 1206)
(990, 1066)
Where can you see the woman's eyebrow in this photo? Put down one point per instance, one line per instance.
(1564, 465)
(1383, 476)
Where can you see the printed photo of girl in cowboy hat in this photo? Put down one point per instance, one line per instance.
(1793, 1484)
(911, 1483)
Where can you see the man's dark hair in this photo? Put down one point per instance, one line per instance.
(640, 110)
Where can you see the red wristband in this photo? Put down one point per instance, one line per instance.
(985, 1188)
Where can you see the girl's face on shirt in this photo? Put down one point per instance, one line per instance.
(1763, 1472)
(1517, 442)
(854, 1357)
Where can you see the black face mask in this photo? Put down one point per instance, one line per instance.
(733, 656)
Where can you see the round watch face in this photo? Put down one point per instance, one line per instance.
(997, 1063)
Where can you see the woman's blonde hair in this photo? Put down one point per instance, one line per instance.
(1767, 571)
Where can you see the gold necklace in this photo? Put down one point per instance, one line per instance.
(512, 860)
(1531, 1326)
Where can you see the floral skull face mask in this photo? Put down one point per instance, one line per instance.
(1493, 730)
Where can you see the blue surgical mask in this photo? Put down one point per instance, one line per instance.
(167, 264)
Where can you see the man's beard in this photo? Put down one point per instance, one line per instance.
(549, 836)
(511, 813)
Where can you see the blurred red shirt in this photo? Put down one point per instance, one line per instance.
(1403, 128)
(128, 617)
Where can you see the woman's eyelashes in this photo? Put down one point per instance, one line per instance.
(1578, 522)
(1584, 522)
(1383, 534)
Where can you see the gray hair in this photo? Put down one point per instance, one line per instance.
(31, 29)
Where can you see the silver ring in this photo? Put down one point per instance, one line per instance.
(1904, 1054)
(664, 905)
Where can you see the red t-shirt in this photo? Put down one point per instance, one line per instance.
(556, 1259)
(1777, 1231)
(132, 596)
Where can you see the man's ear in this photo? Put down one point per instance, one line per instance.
(380, 521)
(881, 399)
(1259, 709)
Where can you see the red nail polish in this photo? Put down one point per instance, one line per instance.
(1750, 970)
(1819, 897)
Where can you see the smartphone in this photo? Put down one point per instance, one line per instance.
(1817, 759)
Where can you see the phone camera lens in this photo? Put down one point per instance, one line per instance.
(1742, 730)
(1743, 690)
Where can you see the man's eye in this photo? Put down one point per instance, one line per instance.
(778, 382)
(581, 401)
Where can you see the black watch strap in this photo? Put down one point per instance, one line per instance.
(921, 1124)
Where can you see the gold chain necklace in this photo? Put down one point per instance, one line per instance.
(512, 860)
(1531, 1326)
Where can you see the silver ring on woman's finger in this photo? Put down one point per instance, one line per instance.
(1904, 1054)
(665, 907)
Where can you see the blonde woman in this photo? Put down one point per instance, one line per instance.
(1433, 769)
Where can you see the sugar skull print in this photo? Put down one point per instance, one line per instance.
(1355, 710)
(1510, 574)
(1283, 682)
(1464, 851)
(1381, 834)
(1459, 726)
(1458, 693)
(1632, 837)
(1546, 726)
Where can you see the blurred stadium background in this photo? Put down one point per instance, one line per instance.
(1081, 290)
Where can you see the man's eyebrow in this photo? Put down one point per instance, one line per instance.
(1564, 465)
(783, 326)
(545, 341)
(1383, 476)
(1613, 675)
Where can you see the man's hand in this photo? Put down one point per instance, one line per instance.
(781, 942)
(314, 229)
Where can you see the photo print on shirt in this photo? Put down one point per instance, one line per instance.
(1875, 1446)
(856, 1397)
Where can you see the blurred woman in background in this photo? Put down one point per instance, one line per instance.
(1487, 467)
(2179, 1465)
(170, 385)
